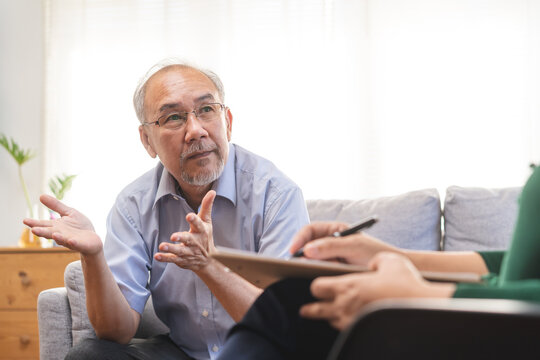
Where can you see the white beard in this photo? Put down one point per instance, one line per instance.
(205, 177)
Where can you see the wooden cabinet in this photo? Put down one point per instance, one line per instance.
(24, 273)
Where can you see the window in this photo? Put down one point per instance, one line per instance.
(349, 98)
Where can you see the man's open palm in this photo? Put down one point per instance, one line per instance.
(72, 230)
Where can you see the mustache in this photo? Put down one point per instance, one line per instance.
(198, 147)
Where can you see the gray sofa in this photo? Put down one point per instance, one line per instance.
(468, 219)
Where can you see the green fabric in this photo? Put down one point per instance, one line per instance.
(519, 276)
(518, 290)
(493, 260)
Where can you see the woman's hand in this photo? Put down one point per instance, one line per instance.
(357, 248)
(392, 276)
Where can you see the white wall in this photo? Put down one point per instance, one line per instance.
(21, 107)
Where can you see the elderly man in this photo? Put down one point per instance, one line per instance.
(204, 191)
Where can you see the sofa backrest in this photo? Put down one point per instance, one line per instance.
(409, 221)
(479, 218)
(473, 218)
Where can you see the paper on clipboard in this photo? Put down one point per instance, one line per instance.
(262, 270)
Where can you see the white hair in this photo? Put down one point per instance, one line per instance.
(140, 91)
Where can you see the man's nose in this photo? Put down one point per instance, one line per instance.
(194, 128)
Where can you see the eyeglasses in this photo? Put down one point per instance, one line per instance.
(177, 120)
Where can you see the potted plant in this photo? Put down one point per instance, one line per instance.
(21, 156)
(58, 185)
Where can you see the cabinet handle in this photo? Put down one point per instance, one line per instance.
(24, 339)
(25, 279)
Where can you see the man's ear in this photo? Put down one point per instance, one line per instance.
(228, 122)
(145, 139)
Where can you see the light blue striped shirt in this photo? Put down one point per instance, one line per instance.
(257, 208)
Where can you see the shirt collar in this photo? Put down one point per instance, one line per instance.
(225, 185)
(166, 186)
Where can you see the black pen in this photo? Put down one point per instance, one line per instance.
(364, 224)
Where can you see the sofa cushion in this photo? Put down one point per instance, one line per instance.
(479, 218)
(410, 221)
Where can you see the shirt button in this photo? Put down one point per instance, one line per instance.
(215, 348)
(205, 313)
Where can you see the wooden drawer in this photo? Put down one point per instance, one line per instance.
(25, 273)
(19, 334)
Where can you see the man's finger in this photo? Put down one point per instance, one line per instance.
(165, 257)
(184, 240)
(176, 237)
(37, 223)
(62, 240)
(195, 223)
(55, 204)
(177, 249)
(45, 232)
(206, 206)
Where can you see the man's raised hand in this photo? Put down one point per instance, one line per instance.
(191, 249)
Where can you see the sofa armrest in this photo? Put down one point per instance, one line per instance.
(54, 320)
(442, 329)
(81, 328)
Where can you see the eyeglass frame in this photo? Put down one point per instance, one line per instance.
(186, 114)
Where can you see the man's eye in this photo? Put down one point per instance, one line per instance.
(172, 120)
(174, 117)
(206, 109)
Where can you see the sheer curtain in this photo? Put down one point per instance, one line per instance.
(350, 98)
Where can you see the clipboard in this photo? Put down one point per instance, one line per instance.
(262, 271)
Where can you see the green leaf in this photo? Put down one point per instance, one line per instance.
(19, 155)
(60, 185)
